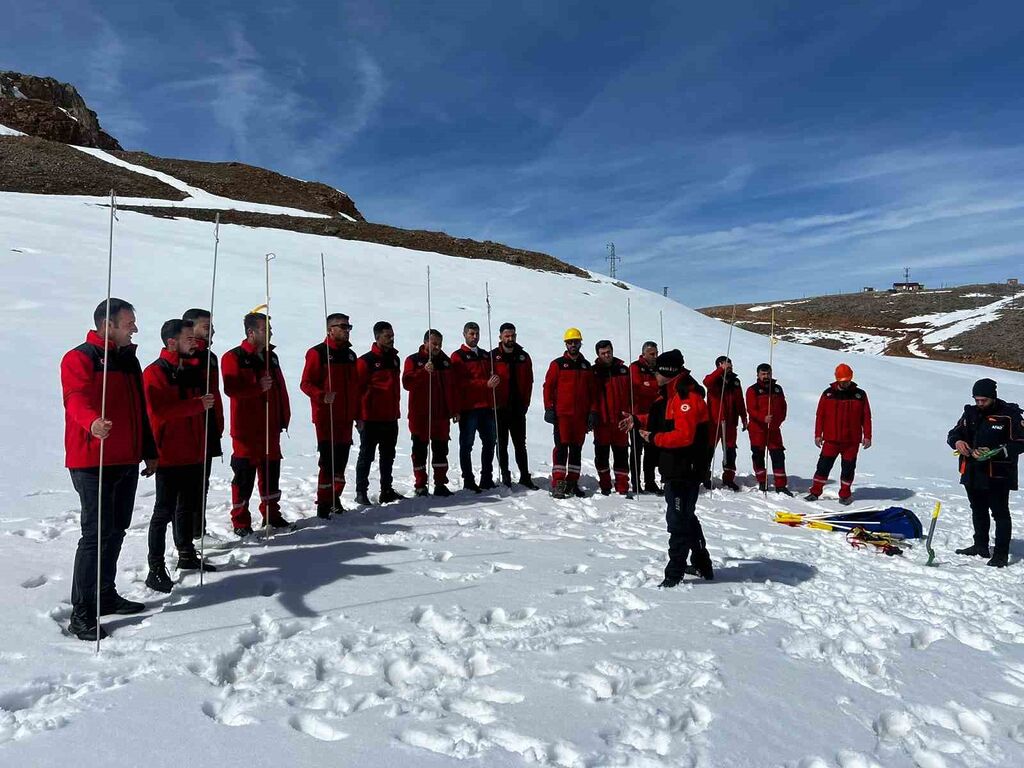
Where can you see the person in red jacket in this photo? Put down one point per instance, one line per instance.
(569, 407)
(379, 411)
(260, 412)
(514, 368)
(645, 391)
(330, 380)
(766, 410)
(726, 408)
(124, 432)
(475, 385)
(841, 427)
(611, 435)
(427, 378)
(177, 404)
(678, 423)
(202, 326)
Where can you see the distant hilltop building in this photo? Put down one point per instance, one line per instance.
(907, 287)
(869, 289)
(1012, 281)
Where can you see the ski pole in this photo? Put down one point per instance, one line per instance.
(632, 400)
(268, 530)
(931, 532)
(330, 386)
(103, 419)
(206, 413)
(661, 324)
(719, 431)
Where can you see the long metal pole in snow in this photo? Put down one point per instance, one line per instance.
(719, 431)
(490, 356)
(632, 400)
(206, 413)
(429, 468)
(268, 529)
(330, 384)
(771, 390)
(103, 419)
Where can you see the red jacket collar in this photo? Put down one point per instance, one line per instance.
(474, 350)
(339, 345)
(202, 345)
(171, 357)
(378, 351)
(94, 338)
(252, 350)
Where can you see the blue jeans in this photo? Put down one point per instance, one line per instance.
(470, 422)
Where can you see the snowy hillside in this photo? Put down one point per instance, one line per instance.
(508, 628)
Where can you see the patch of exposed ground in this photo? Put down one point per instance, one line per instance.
(33, 165)
(881, 314)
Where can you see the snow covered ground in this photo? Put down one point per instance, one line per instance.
(950, 324)
(852, 341)
(506, 629)
(5, 131)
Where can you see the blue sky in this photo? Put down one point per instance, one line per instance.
(732, 151)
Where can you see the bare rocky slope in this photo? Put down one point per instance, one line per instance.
(54, 116)
(981, 324)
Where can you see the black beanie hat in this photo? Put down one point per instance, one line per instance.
(669, 364)
(984, 388)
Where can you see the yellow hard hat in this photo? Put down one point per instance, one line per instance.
(573, 334)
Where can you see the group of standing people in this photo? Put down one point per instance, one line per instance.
(170, 417)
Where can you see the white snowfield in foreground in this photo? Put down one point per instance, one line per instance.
(504, 629)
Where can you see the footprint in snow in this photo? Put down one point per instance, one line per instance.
(33, 582)
(317, 727)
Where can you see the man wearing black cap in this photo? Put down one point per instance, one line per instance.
(678, 425)
(989, 437)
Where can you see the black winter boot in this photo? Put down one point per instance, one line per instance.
(83, 626)
(442, 490)
(975, 550)
(560, 491)
(158, 579)
(469, 484)
(420, 491)
(784, 491)
(362, 499)
(702, 561)
(388, 495)
(189, 561)
(999, 560)
(122, 606)
(527, 482)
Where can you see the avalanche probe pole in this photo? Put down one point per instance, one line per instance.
(429, 469)
(330, 385)
(931, 532)
(719, 432)
(103, 419)
(490, 355)
(268, 530)
(771, 390)
(661, 323)
(632, 401)
(206, 413)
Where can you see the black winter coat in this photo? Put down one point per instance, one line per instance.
(1002, 425)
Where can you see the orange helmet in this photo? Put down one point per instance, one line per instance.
(844, 372)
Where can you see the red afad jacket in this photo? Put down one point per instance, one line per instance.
(611, 401)
(733, 408)
(380, 398)
(174, 388)
(431, 395)
(472, 369)
(208, 360)
(81, 377)
(242, 368)
(569, 388)
(515, 369)
(344, 382)
(844, 415)
(685, 413)
(645, 386)
(759, 399)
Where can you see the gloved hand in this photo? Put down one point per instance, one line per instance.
(549, 415)
(592, 421)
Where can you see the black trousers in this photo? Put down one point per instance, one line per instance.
(994, 501)
(374, 435)
(197, 527)
(685, 534)
(119, 486)
(179, 496)
(645, 457)
(512, 424)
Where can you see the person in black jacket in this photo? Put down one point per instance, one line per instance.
(989, 437)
